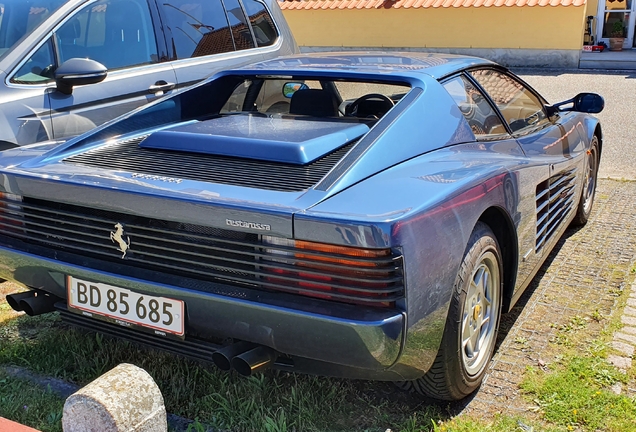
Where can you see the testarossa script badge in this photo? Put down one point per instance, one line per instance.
(245, 224)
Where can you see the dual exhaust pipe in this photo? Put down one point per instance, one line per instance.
(33, 302)
(244, 357)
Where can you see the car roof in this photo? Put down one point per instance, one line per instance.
(390, 64)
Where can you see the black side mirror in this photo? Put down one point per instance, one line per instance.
(589, 103)
(582, 102)
(78, 71)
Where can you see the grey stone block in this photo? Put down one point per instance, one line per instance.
(124, 399)
(628, 320)
(630, 311)
(623, 363)
(629, 329)
(626, 349)
(626, 337)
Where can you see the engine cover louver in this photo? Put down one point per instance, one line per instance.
(555, 200)
(128, 156)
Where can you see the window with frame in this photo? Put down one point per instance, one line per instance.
(200, 27)
(238, 24)
(38, 68)
(480, 115)
(19, 18)
(116, 33)
(522, 109)
(262, 23)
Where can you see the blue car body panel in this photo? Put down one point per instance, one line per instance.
(415, 183)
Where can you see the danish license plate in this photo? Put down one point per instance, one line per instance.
(125, 307)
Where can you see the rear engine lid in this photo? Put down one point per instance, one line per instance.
(275, 138)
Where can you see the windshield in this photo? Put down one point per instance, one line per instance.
(19, 17)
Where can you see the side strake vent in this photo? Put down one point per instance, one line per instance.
(128, 156)
(555, 198)
(371, 277)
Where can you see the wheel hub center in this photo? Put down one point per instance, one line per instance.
(476, 312)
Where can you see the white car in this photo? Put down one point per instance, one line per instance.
(67, 66)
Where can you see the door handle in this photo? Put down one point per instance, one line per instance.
(161, 86)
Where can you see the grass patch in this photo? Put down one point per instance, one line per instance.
(576, 395)
(574, 392)
(271, 402)
(501, 423)
(26, 403)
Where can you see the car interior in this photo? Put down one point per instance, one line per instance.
(335, 99)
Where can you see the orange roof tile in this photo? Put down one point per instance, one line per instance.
(416, 4)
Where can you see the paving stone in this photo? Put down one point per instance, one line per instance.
(629, 329)
(631, 302)
(623, 363)
(626, 337)
(628, 320)
(617, 388)
(629, 311)
(626, 349)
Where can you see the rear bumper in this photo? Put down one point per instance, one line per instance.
(320, 337)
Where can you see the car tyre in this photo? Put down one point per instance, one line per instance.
(472, 323)
(586, 202)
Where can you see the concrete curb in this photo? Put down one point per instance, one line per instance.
(624, 340)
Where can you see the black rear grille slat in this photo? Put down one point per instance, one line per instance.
(128, 156)
(205, 253)
(138, 230)
(109, 252)
(250, 254)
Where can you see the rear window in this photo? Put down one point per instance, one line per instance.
(20, 17)
(315, 98)
(275, 97)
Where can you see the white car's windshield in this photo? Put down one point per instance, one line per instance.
(19, 17)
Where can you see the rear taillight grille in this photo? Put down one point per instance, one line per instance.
(345, 274)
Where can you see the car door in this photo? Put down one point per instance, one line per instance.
(208, 36)
(120, 34)
(25, 115)
(554, 150)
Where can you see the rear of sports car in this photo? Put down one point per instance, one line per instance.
(261, 219)
(195, 288)
(182, 238)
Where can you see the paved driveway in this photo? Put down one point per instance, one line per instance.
(590, 265)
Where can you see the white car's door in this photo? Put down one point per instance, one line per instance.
(120, 35)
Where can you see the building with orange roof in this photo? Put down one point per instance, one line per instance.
(512, 32)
